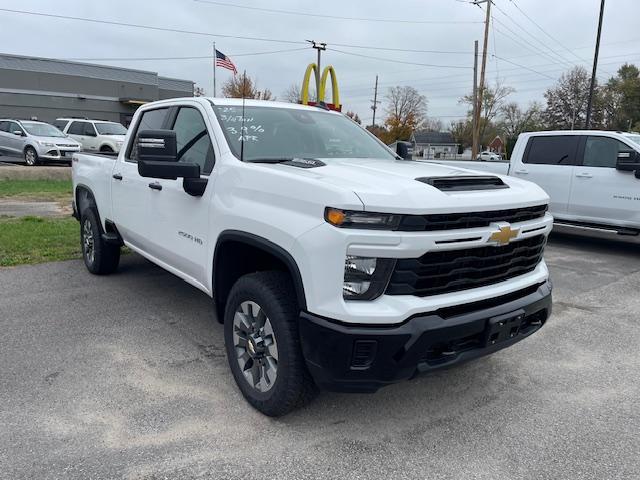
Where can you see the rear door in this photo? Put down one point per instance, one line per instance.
(549, 161)
(130, 193)
(180, 221)
(600, 193)
(91, 136)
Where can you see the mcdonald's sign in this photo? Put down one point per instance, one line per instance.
(321, 89)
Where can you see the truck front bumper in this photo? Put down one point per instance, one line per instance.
(357, 358)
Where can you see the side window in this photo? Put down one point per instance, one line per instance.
(602, 152)
(552, 150)
(149, 120)
(4, 126)
(76, 128)
(193, 141)
(89, 129)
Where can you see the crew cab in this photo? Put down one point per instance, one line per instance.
(592, 176)
(333, 261)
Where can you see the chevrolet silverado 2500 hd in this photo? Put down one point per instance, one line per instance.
(589, 175)
(333, 261)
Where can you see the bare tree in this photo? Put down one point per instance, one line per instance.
(354, 116)
(513, 120)
(567, 101)
(493, 99)
(406, 110)
(433, 125)
(240, 86)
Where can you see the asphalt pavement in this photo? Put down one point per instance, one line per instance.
(125, 377)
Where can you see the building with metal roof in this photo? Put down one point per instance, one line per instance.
(45, 89)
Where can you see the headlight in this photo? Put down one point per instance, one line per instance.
(366, 278)
(47, 144)
(357, 219)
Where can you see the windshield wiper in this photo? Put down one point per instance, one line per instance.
(270, 160)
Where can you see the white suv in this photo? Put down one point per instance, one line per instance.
(98, 135)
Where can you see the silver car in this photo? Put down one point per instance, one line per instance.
(35, 141)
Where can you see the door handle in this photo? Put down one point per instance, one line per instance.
(522, 172)
(117, 176)
(584, 175)
(155, 186)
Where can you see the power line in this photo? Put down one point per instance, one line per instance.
(526, 68)
(209, 57)
(147, 27)
(397, 61)
(334, 17)
(411, 50)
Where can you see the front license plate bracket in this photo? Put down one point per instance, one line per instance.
(504, 327)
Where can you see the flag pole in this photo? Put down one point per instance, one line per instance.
(215, 60)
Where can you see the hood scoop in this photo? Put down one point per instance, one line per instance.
(304, 163)
(462, 183)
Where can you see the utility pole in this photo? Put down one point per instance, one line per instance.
(374, 107)
(482, 72)
(319, 46)
(474, 148)
(595, 68)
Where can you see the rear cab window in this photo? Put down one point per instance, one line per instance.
(552, 150)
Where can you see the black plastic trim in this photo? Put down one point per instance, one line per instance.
(267, 246)
(406, 350)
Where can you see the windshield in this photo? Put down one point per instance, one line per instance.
(110, 129)
(634, 138)
(281, 133)
(42, 130)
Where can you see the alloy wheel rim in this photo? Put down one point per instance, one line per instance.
(255, 346)
(87, 241)
(30, 157)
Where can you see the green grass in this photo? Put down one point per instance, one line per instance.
(52, 190)
(36, 240)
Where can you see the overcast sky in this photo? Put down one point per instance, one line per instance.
(530, 56)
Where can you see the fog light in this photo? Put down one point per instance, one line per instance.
(365, 278)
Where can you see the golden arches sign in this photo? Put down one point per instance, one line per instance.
(321, 89)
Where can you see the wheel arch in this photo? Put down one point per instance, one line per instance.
(238, 253)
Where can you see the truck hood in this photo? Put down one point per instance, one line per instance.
(390, 186)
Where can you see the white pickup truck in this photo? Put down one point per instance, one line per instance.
(589, 175)
(333, 261)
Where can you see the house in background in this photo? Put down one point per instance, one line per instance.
(496, 145)
(434, 145)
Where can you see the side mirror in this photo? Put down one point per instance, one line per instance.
(158, 157)
(18, 133)
(404, 150)
(628, 161)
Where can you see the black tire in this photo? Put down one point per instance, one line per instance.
(106, 149)
(293, 387)
(31, 156)
(100, 257)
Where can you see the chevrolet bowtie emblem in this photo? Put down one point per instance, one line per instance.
(504, 235)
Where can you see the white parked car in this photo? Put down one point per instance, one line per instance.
(35, 141)
(489, 157)
(333, 261)
(97, 135)
(592, 176)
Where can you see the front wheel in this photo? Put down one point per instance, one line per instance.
(263, 345)
(30, 156)
(100, 257)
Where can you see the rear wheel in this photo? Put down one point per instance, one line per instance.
(106, 149)
(263, 345)
(30, 156)
(100, 257)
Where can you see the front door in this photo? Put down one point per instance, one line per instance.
(130, 192)
(549, 162)
(600, 193)
(180, 221)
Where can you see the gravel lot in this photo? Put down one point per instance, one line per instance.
(125, 376)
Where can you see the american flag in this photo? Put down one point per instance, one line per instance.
(225, 62)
